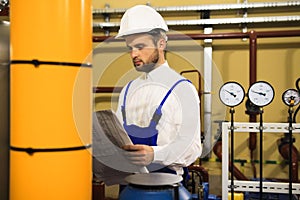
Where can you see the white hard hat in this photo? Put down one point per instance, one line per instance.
(141, 19)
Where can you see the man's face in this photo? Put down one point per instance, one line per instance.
(143, 51)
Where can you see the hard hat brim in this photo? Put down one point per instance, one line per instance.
(136, 31)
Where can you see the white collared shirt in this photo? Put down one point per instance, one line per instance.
(178, 142)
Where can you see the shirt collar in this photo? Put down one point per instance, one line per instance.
(157, 72)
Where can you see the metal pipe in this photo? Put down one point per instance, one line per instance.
(262, 34)
(207, 107)
(217, 21)
(283, 148)
(261, 153)
(199, 90)
(107, 89)
(49, 148)
(252, 79)
(236, 6)
(253, 55)
(199, 79)
(236, 172)
(201, 170)
(4, 107)
(232, 111)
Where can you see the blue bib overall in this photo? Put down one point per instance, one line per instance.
(145, 135)
(148, 135)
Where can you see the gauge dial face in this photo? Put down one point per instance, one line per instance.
(261, 93)
(232, 94)
(291, 97)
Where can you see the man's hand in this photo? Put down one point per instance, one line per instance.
(139, 154)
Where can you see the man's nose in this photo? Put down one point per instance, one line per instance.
(134, 52)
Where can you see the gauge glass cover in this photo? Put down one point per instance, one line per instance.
(231, 94)
(261, 93)
(291, 97)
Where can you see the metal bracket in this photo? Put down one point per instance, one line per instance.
(252, 186)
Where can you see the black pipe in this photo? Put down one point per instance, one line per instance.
(298, 108)
(232, 150)
(261, 154)
(290, 152)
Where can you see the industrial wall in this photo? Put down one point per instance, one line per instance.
(277, 62)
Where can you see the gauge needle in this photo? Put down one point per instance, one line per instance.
(260, 93)
(231, 93)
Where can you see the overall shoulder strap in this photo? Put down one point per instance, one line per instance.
(157, 114)
(124, 102)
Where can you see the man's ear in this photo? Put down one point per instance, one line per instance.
(162, 44)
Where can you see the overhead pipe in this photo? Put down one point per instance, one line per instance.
(199, 36)
(217, 21)
(50, 104)
(210, 7)
(238, 35)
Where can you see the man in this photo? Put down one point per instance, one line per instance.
(160, 109)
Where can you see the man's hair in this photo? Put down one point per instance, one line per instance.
(158, 34)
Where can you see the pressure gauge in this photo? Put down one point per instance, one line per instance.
(261, 93)
(291, 97)
(232, 93)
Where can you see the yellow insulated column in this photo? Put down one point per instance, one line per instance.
(50, 121)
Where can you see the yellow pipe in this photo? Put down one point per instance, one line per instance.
(50, 102)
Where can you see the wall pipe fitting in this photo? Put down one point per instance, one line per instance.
(283, 148)
(236, 172)
(50, 102)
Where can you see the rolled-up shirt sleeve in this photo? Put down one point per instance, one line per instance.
(185, 146)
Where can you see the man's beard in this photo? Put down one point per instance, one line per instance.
(149, 66)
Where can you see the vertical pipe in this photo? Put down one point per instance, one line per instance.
(253, 57)
(290, 152)
(252, 79)
(49, 154)
(261, 127)
(225, 164)
(207, 91)
(4, 107)
(232, 111)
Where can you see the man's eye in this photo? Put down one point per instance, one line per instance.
(136, 47)
(139, 47)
